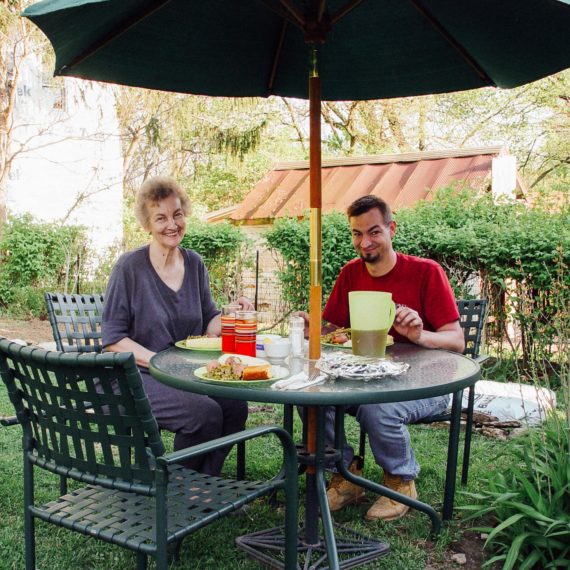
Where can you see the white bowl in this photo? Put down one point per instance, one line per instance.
(277, 348)
(260, 343)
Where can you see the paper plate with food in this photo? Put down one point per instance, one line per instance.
(204, 343)
(342, 338)
(235, 369)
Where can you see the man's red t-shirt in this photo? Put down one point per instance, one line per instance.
(418, 283)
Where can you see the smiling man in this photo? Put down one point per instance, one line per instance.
(426, 315)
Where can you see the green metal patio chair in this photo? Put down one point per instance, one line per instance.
(472, 320)
(76, 321)
(132, 493)
(76, 326)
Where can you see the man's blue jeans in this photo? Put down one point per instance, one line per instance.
(385, 425)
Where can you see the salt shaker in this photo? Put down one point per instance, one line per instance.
(296, 336)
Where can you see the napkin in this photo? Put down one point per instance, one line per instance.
(298, 382)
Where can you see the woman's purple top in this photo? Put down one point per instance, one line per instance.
(140, 306)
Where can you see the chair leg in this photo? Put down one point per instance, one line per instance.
(29, 526)
(288, 419)
(141, 561)
(240, 469)
(62, 485)
(362, 443)
(468, 433)
(452, 452)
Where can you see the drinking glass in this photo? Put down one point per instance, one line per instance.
(228, 326)
(245, 332)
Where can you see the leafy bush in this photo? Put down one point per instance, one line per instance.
(224, 249)
(290, 238)
(530, 503)
(514, 255)
(35, 257)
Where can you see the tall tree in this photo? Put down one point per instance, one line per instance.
(14, 47)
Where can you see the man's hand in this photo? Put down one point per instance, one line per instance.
(408, 323)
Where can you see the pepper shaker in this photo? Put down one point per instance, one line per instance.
(296, 336)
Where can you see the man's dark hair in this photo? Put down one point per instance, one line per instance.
(366, 203)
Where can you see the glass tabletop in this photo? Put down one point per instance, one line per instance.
(431, 373)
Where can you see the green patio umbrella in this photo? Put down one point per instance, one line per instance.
(362, 49)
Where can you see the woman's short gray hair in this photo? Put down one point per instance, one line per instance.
(153, 191)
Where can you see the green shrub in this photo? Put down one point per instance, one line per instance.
(35, 257)
(517, 256)
(530, 503)
(224, 249)
(290, 238)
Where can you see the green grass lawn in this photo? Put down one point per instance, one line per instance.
(213, 547)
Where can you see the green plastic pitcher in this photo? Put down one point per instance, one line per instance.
(372, 313)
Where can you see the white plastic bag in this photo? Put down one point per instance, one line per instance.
(512, 401)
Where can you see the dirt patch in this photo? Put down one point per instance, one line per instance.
(470, 545)
(32, 331)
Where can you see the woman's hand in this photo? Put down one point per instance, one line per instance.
(245, 304)
(142, 354)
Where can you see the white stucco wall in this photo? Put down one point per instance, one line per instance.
(72, 149)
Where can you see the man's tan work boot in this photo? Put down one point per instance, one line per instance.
(387, 509)
(342, 492)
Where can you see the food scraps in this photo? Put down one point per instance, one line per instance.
(234, 369)
(339, 336)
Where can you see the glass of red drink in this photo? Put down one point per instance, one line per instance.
(228, 326)
(245, 332)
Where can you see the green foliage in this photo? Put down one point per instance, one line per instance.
(530, 503)
(290, 238)
(218, 187)
(224, 250)
(515, 255)
(518, 254)
(35, 257)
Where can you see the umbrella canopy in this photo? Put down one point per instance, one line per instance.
(373, 48)
(370, 49)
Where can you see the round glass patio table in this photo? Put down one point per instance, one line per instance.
(431, 373)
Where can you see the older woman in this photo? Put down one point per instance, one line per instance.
(157, 295)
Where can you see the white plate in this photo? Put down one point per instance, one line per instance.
(206, 344)
(277, 372)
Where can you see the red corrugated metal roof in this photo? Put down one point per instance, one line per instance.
(401, 180)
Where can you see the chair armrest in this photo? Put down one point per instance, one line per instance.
(209, 446)
(481, 358)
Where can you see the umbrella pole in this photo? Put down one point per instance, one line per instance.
(315, 292)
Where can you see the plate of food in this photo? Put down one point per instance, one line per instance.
(204, 343)
(236, 369)
(342, 338)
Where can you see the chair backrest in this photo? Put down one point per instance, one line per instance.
(85, 416)
(76, 321)
(472, 321)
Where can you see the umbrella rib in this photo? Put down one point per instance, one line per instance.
(120, 29)
(342, 12)
(283, 13)
(277, 57)
(453, 42)
(294, 11)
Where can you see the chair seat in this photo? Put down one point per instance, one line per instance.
(128, 519)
